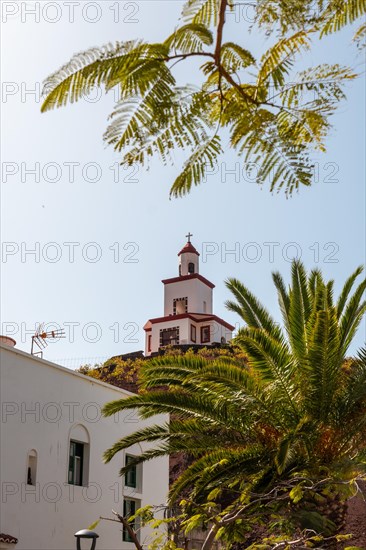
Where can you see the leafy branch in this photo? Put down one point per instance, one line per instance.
(153, 117)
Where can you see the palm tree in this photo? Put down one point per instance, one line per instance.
(285, 436)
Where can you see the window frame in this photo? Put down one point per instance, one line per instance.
(71, 467)
(193, 332)
(149, 342)
(165, 330)
(204, 328)
(132, 472)
(184, 299)
(134, 525)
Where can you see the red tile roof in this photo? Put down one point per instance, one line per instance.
(188, 248)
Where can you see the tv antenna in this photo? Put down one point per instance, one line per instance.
(41, 337)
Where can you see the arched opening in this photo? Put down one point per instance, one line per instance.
(32, 467)
(191, 267)
(79, 452)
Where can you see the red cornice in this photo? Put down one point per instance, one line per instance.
(196, 317)
(186, 278)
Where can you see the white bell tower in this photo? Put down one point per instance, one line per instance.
(188, 309)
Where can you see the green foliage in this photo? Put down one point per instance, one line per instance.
(275, 437)
(275, 117)
(94, 525)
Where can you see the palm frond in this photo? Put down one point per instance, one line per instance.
(283, 299)
(300, 310)
(250, 309)
(352, 316)
(343, 297)
(323, 365)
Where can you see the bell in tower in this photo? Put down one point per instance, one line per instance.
(188, 259)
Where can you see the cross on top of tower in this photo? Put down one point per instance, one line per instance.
(189, 237)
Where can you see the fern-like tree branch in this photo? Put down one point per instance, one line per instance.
(279, 136)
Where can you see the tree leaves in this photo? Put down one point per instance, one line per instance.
(190, 38)
(196, 167)
(277, 61)
(234, 57)
(275, 123)
(338, 14)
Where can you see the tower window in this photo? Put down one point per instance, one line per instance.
(191, 267)
(149, 338)
(32, 467)
(205, 334)
(180, 305)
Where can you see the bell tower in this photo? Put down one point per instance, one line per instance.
(188, 258)
(188, 309)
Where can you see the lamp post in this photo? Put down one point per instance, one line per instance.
(86, 534)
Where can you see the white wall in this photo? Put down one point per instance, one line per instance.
(183, 325)
(196, 291)
(47, 515)
(217, 332)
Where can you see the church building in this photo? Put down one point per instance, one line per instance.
(188, 309)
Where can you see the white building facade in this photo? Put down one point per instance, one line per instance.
(188, 309)
(53, 478)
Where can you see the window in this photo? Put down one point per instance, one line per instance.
(191, 267)
(180, 305)
(193, 333)
(169, 336)
(149, 338)
(79, 455)
(131, 475)
(129, 509)
(76, 463)
(205, 334)
(32, 467)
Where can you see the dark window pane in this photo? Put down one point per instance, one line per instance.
(131, 475)
(170, 337)
(76, 457)
(205, 334)
(129, 509)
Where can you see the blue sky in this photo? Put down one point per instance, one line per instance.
(104, 238)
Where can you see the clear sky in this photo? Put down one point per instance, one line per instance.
(104, 238)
